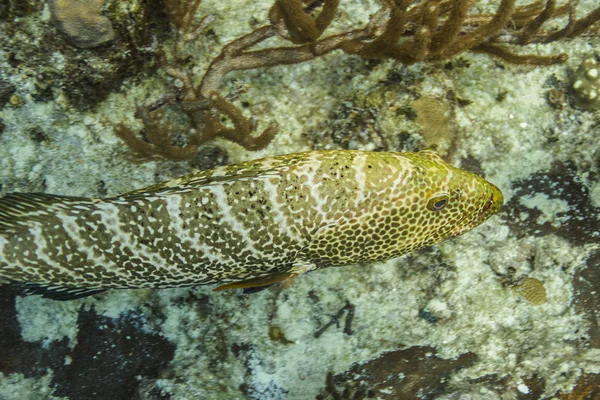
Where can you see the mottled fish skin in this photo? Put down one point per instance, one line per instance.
(285, 214)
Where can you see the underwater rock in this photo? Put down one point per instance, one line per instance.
(554, 202)
(412, 373)
(81, 22)
(586, 286)
(532, 388)
(20, 356)
(43, 66)
(209, 157)
(10, 9)
(506, 386)
(109, 360)
(588, 387)
(110, 357)
(586, 84)
(6, 92)
(75, 96)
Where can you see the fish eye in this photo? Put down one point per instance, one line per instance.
(438, 201)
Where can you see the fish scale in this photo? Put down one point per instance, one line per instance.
(252, 224)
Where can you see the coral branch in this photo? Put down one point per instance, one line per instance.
(513, 58)
(483, 32)
(440, 29)
(403, 30)
(294, 22)
(158, 141)
(451, 28)
(533, 27)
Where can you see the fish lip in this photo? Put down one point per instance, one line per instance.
(493, 204)
(495, 201)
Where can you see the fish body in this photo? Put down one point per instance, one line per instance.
(251, 222)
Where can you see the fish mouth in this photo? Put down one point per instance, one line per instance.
(491, 206)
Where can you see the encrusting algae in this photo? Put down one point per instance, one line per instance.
(253, 223)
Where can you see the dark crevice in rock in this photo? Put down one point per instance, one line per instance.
(580, 224)
(19, 356)
(586, 286)
(111, 359)
(412, 373)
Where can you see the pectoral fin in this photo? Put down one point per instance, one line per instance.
(262, 282)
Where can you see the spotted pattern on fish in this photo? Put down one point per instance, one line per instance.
(280, 215)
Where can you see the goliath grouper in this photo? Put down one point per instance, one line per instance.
(251, 224)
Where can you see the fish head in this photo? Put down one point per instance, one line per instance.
(446, 201)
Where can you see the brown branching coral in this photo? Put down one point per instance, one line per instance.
(295, 23)
(159, 141)
(182, 15)
(440, 29)
(407, 31)
(206, 113)
(203, 105)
